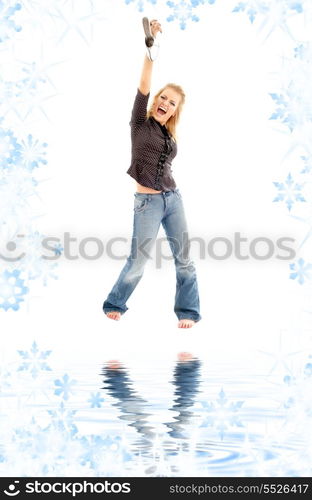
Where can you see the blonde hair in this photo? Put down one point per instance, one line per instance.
(171, 124)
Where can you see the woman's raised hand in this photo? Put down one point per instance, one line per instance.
(155, 27)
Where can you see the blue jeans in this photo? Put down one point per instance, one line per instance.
(151, 210)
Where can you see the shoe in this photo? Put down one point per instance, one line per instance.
(149, 39)
(152, 46)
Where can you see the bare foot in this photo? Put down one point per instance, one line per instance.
(114, 364)
(186, 323)
(113, 315)
(185, 356)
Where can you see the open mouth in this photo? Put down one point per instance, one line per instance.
(161, 111)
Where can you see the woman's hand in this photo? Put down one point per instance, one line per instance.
(155, 27)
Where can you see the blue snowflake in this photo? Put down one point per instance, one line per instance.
(73, 21)
(96, 400)
(32, 153)
(64, 387)
(289, 401)
(35, 263)
(33, 76)
(296, 5)
(252, 8)
(93, 446)
(222, 414)
(41, 268)
(12, 290)
(97, 446)
(7, 96)
(182, 11)
(294, 104)
(10, 150)
(58, 249)
(5, 379)
(25, 435)
(308, 370)
(50, 449)
(304, 52)
(197, 2)
(307, 164)
(289, 380)
(62, 419)
(140, 3)
(275, 12)
(34, 360)
(302, 272)
(281, 112)
(289, 191)
(6, 23)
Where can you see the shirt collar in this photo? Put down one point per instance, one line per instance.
(163, 127)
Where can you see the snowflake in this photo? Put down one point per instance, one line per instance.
(33, 76)
(289, 191)
(252, 8)
(140, 3)
(302, 272)
(44, 270)
(32, 153)
(96, 400)
(34, 360)
(290, 382)
(99, 450)
(9, 148)
(182, 11)
(304, 52)
(293, 108)
(307, 164)
(63, 420)
(5, 379)
(58, 249)
(7, 96)
(197, 2)
(93, 454)
(45, 451)
(6, 92)
(12, 290)
(6, 23)
(17, 185)
(274, 13)
(222, 414)
(308, 370)
(74, 21)
(64, 386)
(35, 264)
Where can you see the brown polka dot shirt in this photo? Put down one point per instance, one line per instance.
(152, 148)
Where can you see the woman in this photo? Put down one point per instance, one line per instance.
(156, 200)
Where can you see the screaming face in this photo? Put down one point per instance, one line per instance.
(165, 105)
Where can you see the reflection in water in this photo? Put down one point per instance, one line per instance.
(186, 381)
(133, 407)
(119, 386)
(191, 443)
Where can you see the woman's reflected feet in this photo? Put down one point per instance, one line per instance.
(113, 315)
(186, 323)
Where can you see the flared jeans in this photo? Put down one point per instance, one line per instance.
(149, 211)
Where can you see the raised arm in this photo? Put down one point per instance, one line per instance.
(146, 75)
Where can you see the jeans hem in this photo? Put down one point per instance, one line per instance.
(189, 316)
(115, 309)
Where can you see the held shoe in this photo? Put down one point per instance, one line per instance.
(149, 39)
(152, 44)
